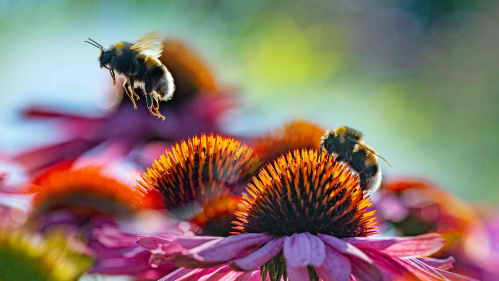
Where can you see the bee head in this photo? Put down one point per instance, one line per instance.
(105, 54)
(105, 57)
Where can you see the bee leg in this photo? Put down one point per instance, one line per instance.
(155, 106)
(128, 91)
(133, 86)
(150, 104)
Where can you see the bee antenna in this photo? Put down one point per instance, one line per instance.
(96, 43)
(367, 147)
(93, 45)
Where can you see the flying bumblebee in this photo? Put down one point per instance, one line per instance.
(139, 65)
(347, 145)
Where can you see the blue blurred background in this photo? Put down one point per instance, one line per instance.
(418, 78)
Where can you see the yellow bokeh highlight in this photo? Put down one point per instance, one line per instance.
(281, 53)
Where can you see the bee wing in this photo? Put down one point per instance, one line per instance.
(150, 45)
(370, 149)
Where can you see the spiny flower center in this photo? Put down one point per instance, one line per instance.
(301, 194)
(200, 170)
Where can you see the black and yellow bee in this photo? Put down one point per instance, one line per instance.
(139, 65)
(347, 145)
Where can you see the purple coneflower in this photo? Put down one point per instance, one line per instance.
(196, 181)
(303, 220)
(198, 171)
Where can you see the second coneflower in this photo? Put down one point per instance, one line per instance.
(198, 179)
(303, 219)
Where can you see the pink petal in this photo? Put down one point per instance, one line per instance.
(364, 271)
(231, 247)
(336, 267)
(194, 261)
(226, 274)
(304, 249)
(151, 242)
(167, 251)
(255, 276)
(184, 243)
(245, 276)
(394, 268)
(260, 256)
(218, 252)
(427, 272)
(345, 248)
(445, 264)
(184, 274)
(217, 274)
(422, 245)
(296, 273)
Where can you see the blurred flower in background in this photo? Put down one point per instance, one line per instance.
(413, 207)
(27, 255)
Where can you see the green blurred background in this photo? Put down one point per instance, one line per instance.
(418, 78)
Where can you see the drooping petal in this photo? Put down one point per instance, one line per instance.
(297, 273)
(416, 269)
(218, 252)
(304, 249)
(246, 276)
(427, 272)
(363, 268)
(225, 273)
(364, 271)
(185, 274)
(189, 242)
(218, 274)
(259, 257)
(151, 242)
(444, 264)
(422, 245)
(393, 268)
(345, 248)
(336, 267)
(169, 250)
(232, 247)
